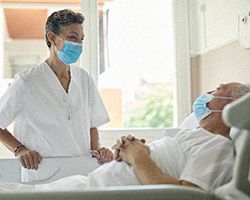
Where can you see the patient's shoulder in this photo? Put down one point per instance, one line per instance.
(200, 138)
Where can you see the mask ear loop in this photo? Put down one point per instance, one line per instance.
(215, 110)
(220, 97)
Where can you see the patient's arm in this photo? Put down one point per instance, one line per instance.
(138, 155)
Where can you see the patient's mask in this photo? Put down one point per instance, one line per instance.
(200, 108)
(71, 52)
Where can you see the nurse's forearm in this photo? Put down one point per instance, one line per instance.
(8, 140)
(94, 139)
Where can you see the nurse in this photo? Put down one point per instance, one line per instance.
(55, 106)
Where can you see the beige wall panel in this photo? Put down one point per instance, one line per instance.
(227, 64)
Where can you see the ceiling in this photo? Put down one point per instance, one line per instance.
(25, 23)
(29, 23)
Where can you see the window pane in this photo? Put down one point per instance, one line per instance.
(137, 70)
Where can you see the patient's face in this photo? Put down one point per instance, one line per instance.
(223, 90)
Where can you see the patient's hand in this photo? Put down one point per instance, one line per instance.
(132, 150)
(120, 144)
(102, 155)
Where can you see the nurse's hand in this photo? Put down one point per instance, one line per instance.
(102, 155)
(29, 159)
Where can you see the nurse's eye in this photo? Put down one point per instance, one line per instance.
(72, 38)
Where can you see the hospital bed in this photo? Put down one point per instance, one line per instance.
(237, 115)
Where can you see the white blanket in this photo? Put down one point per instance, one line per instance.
(110, 174)
(70, 183)
(120, 173)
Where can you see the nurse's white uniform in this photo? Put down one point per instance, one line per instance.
(47, 118)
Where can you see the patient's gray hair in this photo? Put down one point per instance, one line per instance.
(241, 90)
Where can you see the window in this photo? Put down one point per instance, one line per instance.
(137, 64)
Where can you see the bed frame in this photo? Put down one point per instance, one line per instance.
(236, 114)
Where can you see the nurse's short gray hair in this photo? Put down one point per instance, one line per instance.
(57, 20)
(241, 90)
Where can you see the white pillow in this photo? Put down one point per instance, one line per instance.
(190, 122)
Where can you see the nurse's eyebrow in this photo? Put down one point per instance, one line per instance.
(73, 32)
(76, 34)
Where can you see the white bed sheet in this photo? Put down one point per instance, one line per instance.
(10, 169)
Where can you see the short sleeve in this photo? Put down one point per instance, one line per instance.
(98, 113)
(211, 166)
(11, 102)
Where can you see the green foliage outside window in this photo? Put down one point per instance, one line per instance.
(153, 110)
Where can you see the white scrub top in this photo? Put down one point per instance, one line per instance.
(47, 118)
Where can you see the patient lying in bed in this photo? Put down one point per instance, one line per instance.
(201, 157)
(195, 156)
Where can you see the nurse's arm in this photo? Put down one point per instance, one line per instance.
(29, 159)
(94, 139)
(101, 153)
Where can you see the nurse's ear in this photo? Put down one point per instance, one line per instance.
(52, 39)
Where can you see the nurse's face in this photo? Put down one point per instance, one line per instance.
(73, 33)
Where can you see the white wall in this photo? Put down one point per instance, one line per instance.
(217, 56)
(214, 23)
(227, 64)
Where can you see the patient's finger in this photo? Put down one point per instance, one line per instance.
(118, 144)
(114, 146)
(131, 137)
(143, 141)
(117, 156)
(123, 139)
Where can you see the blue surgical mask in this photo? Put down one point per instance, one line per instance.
(200, 108)
(71, 52)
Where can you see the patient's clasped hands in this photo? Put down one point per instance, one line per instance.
(129, 149)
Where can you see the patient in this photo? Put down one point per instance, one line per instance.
(202, 157)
